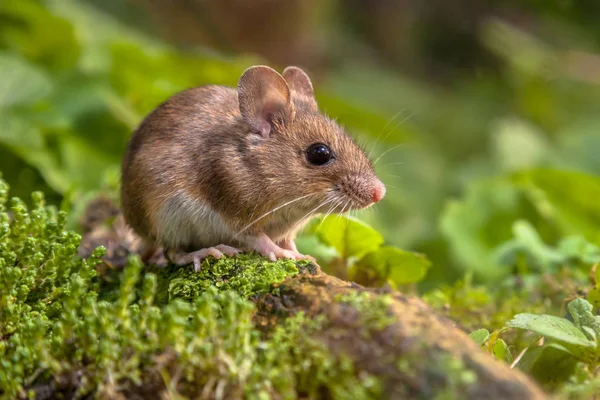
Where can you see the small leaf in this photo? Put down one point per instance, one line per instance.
(581, 311)
(398, 266)
(480, 336)
(553, 327)
(500, 351)
(349, 236)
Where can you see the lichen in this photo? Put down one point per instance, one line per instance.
(66, 330)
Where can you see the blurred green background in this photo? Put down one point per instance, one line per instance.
(483, 116)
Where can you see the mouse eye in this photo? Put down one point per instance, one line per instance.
(319, 154)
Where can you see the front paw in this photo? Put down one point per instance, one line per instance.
(266, 247)
(196, 257)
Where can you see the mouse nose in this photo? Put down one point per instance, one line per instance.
(378, 191)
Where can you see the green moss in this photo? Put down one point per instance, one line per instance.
(247, 274)
(151, 329)
(373, 311)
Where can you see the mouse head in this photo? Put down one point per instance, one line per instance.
(306, 152)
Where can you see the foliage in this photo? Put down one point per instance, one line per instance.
(565, 342)
(352, 248)
(62, 329)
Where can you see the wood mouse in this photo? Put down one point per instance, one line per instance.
(215, 170)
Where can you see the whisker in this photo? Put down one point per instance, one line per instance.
(336, 204)
(273, 210)
(387, 151)
(397, 126)
(383, 130)
(394, 163)
(317, 207)
(345, 205)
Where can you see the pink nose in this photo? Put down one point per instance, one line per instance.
(378, 191)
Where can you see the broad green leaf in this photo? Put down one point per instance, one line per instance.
(21, 82)
(309, 244)
(560, 329)
(398, 266)
(550, 364)
(349, 236)
(480, 336)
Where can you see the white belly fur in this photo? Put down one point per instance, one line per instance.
(184, 222)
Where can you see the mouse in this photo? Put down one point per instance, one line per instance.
(217, 170)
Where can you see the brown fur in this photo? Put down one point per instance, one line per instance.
(199, 143)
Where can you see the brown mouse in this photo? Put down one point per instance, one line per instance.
(215, 170)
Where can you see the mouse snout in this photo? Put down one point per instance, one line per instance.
(362, 190)
(378, 191)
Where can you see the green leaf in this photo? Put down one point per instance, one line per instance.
(309, 244)
(22, 82)
(553, 327)
(501, 351)
(349, 236)
(581, 311)
(480, 336)
(398, 266)
(550, 364)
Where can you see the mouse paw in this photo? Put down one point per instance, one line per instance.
(266, 247)
(196, 257)
(288, 244)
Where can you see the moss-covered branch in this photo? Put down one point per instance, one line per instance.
(241, 328)
(397, 339)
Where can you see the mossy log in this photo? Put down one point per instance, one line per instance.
(397, 339)
(416, 354)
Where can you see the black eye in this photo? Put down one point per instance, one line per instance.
(318, 154)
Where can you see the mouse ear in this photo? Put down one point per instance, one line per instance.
(264, 98)
(299, 82)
